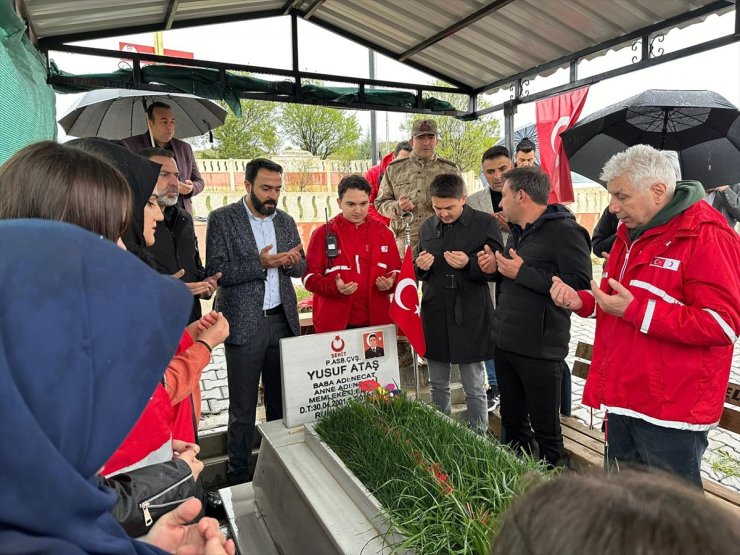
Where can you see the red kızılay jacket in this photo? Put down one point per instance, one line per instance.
(667, 360)
(331, 309)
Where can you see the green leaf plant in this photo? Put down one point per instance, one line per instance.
(443, 487)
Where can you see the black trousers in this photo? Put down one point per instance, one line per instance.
(530, 400)
(244, 365)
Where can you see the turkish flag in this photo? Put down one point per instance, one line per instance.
(555, 115)
(405, 306)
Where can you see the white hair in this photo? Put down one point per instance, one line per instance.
(644, 166)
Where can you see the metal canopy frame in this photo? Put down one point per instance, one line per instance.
(517, 82)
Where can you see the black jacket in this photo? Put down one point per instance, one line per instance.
(456, 306)
(605, 233)
(526, 321)
(160, 487)
(175, 248)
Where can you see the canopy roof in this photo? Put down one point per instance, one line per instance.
(474, 45)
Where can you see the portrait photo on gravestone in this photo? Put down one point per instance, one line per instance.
(324, 370)
(373, 343)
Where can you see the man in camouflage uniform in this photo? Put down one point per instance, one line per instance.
(405, 185)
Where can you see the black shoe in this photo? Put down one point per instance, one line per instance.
(492, 396)
(214, 505)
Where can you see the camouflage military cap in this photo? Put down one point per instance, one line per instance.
(424, 127)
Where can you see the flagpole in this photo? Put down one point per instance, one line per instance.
(406, 219)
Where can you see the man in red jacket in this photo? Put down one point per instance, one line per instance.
(667, 312)
(375, 175)
(352, 282)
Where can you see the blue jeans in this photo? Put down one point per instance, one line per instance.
(471, 375)
(635, 441)
(491, 373)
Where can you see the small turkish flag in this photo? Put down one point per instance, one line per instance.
(405, 306)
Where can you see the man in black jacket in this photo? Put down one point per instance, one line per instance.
(532, 333)
(456, 306)
(605, 233)
(175, 250)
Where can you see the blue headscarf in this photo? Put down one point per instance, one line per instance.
(86, 331)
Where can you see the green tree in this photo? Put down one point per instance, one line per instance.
(252, 135)
(463, 142)
(319, 130)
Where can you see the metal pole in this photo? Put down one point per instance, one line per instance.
(373, 127)
(387, 134)
(509, 111)
(406, 219)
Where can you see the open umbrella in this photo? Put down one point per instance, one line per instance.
(702, 127)
(121, 113)
(527, 131)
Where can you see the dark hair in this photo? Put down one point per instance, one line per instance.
(151, 152)
(153, 106)
(141, 175)
(257, 164)
(531, 180)
(616, 514)
(51, 181)
(354, 181)
(447, 185)
(372, 336)
(495, 152)
(525, 145)
(403, 145)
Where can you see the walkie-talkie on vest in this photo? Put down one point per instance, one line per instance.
(332, 247)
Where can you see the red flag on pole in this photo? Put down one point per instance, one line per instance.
(405, 306)
(555, 115)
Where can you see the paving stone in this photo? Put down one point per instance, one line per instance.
(209, 384)
(208, 374)
(214, 393)
(218, 405)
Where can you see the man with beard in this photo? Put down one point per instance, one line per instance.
(257, 249)
(175, 250)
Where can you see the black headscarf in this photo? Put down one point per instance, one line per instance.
(141, 175)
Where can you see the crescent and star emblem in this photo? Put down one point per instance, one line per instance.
(403, 284)
(562, 122)
(337, 345)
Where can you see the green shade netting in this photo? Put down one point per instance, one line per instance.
(206, 83)
(27, 104)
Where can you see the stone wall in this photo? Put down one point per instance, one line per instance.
(310, 188)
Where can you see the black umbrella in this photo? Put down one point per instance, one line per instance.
(702, 127)
(527, 131)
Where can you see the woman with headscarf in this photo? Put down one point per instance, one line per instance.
(182, 379)
(83, 325)
(53, 181)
